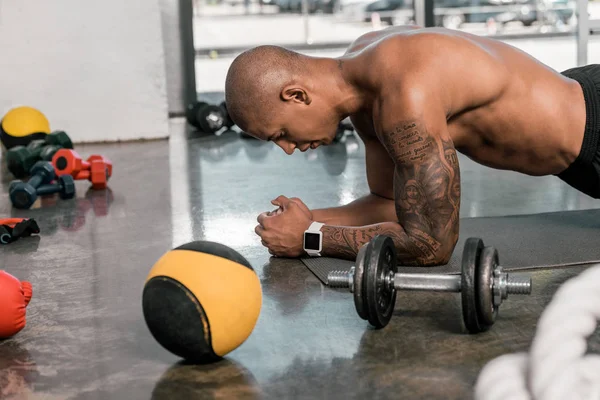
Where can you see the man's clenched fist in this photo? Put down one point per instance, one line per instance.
(282, 230)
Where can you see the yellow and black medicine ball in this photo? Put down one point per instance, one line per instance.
(201, 300)
(21, 125)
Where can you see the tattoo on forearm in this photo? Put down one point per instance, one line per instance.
(346, 241)
(427, 190)
(427, 195)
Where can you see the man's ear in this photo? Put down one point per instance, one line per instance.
(296, 94)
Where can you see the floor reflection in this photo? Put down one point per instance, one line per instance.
(18, 370)
(225, 379)
(86, 336)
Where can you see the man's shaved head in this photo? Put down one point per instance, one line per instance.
(255, 79)
(286, 97)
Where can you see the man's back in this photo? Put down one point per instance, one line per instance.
(416, 96)
(503, 108)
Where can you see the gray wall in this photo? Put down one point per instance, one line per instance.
(95, 68)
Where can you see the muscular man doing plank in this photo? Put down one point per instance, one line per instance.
(416, 97)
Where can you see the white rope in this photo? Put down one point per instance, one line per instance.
(557, 366)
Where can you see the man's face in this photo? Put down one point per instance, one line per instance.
(296, 126)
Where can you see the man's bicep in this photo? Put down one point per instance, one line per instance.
(426, 184)
(380, 169)
(379, 165)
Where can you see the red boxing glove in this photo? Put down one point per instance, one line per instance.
(14, 297)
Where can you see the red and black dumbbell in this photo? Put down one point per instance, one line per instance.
(97, 169)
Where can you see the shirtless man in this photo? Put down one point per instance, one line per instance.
(416, 97)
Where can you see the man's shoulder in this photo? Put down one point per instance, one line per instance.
(374, 37)
(397, 52)
(396, 68)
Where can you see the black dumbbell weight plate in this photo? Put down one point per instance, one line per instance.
(22, 195)
(67, 184)
(228, 122)
(35, 145)
(191, 114)
(60, 139)
(359, 292)
(205, 117)
(210, 118)
(343, 126)
(470, 304)
(13, 185)
(34, 150)
(16, 160)
(380, 296)
(485, 275)
(48, 152)
(45, 169)
(339, 135)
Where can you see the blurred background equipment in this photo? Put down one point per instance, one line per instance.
(223, 29)
(20, 125)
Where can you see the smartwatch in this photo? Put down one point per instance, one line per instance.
(313, 239)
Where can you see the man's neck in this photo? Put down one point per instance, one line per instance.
(346, 94)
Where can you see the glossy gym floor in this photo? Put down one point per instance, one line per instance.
(86, 337)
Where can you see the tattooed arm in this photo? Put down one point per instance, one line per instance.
(426, 191)
(378, 205)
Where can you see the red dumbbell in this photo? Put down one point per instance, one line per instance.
(97, 169)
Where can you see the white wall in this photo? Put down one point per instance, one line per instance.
(95, 68)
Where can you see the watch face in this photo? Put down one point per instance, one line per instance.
(311, 241)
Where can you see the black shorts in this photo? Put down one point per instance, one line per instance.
(584, 173)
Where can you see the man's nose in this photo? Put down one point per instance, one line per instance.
(288, 147)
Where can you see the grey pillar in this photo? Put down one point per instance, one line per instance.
(583, 32)
(424, 13)
(178, 41)
(419, 9)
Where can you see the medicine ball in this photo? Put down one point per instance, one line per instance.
(21, 125)
(201, 300)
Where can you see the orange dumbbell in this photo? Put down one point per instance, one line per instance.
(97, 169)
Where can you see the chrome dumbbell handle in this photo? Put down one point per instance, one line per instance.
(427, 282)
(503, 284)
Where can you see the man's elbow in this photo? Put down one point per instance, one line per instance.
(443, 257)
(444, 252)
(439, 254)
(420, 248)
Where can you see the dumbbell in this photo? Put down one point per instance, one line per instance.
(228, 122)
(20, 159)
(24, 194)
(97, 169)
(343, 126)
(205, 117)
(483, 285)
(59, 139)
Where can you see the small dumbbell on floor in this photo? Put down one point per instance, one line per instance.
(483, 285)
(343, 126)
(206, 117)
(97, 169)
(24, 194)
(20, 159)
(228, 121)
